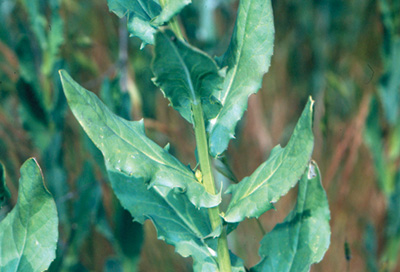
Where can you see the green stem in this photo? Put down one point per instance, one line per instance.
(173, 23)
(209, 184)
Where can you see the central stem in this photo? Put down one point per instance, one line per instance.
(209, 184)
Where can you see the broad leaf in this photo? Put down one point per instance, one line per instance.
(185, 75)
(256, 194)
(304, 237)
(248, 59)
(127, 150)
(4, 192)
(29, 233)
(145, 16)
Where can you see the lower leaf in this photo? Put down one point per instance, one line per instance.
(304, 237)
(29, 233)
(177, 221)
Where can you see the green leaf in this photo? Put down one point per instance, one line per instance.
(4, 192)
(304, 237)
(127, 150)
(186, 75)
(254, 195)
(29, 233)
(145, 16)
(248, 59)
(177, 221)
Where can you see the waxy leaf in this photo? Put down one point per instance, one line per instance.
(145, 16)
(255, 194)
(303, 238)
(29, 233)
(185, 75)
(127, 150)
(247, 59)
(4, 192)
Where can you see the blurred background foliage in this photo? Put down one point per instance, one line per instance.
(346, 54)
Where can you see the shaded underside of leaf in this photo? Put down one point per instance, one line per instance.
(248, 59)
(304, 236)
(255, 194)
(126, 148)
(186, 75)
(29, 233)
(145, 16)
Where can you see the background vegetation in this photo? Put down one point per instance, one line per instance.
(346, 54)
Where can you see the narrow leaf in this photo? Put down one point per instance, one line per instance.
(127, 150)
(248, 59)
(186, 75)
(4, 192)
(145, 16)
(254, 195)
(29, 233)
(304, 237)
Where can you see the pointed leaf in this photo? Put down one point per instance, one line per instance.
(127, 150)
(145, 16)
(4, 192)
(248, 59)
(185, 75)
(29, 233)
(254, 195)
(304, 237)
